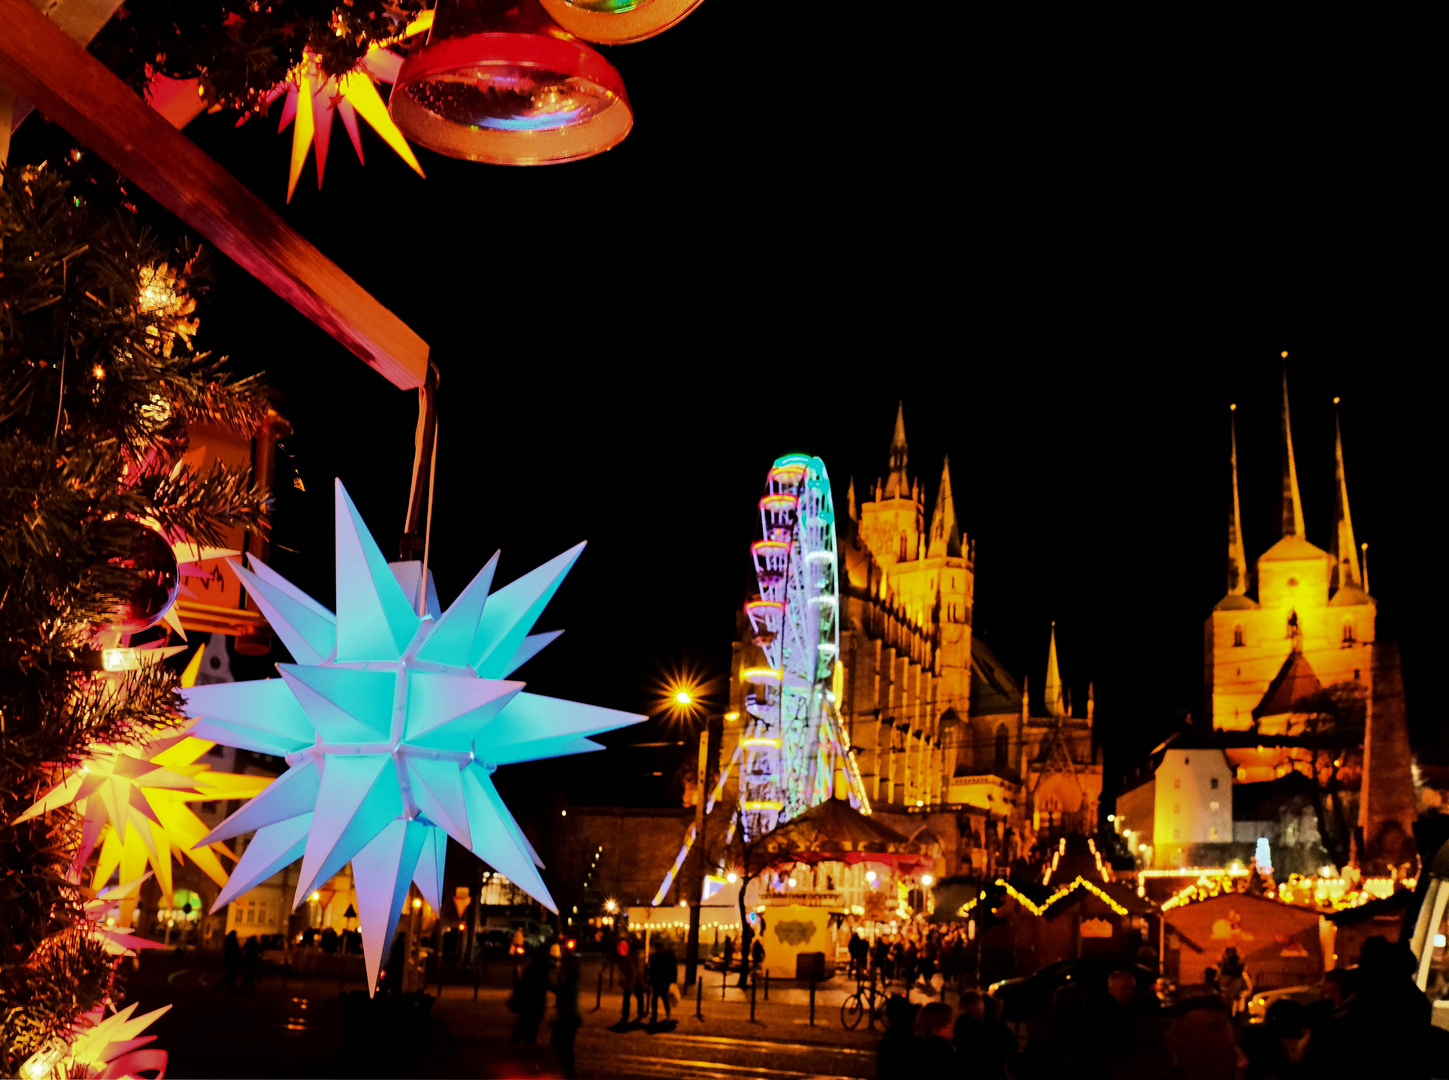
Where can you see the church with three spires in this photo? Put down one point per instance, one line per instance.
(1309, 743)
(943, 734)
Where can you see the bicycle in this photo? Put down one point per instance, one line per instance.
(855, 1006)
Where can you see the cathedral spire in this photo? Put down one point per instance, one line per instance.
(1292, 504)
(945, 534)
(1344, 550)
(898, 486)
(1055, 706)
(1237, 557)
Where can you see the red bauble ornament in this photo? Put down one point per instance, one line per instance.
(147, 553)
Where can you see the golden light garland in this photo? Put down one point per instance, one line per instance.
(1042, 908)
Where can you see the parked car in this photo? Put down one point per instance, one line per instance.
(1260, 1002)
(498, 935)
(1028, 996)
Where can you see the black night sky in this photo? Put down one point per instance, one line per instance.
(1066, 268)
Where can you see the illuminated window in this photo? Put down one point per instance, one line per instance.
(1214, 783)
(1213, 832)
(1237, 636)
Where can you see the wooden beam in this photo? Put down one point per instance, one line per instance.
(39, 62)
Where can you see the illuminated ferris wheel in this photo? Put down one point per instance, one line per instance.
(793, 739)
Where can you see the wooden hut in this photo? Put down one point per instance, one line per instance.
(1279, 944)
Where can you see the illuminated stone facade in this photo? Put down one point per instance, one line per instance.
(1309, 628)
(939, 727)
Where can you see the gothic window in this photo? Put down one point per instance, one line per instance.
(1003, 746)
(1237, 637)
(1293, 630)
(903, 547)
(1348, 638)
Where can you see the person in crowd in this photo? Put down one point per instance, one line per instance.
(1130, 1028)
(1204, 1043)
(882, 959)
(757, 954)
(859, 952)
(232, 958)
(1386, 1010)
(663, 974)
(980, 1038)
(567, 1019)
(631, 975)
(1234, 982)
(251, 962)
(894, 1054)
(328, 940)
(1277, 1049)
(932, 1054)
(747, 937)
(530, 998)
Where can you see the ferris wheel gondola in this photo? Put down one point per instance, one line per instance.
(793, 740)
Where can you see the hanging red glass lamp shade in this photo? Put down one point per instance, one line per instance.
(498, 81)
(618, 22)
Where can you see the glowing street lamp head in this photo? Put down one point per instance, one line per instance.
(926, 879)
(683, 697)
(870, 875)
(611, 906)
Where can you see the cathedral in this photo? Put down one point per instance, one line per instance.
(1308, 747)
(940, 729)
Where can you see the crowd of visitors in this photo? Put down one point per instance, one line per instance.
(932, 957)
(550, 969)
(1370, 1018)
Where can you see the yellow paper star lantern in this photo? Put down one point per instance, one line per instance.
(134, 802)
(312, 99)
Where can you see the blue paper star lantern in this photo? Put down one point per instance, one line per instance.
(392, 724)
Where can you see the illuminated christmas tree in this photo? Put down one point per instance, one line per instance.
(100, 379)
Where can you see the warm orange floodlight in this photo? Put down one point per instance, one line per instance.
(618, 22)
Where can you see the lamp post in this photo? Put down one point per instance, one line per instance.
(693, 881)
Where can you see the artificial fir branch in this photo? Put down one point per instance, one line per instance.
(81, 459)
(239, 49)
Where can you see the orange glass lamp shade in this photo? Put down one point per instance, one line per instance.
(618, 22)
(498, 81)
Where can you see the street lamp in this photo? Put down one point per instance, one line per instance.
(926, 879)
(684, 698)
